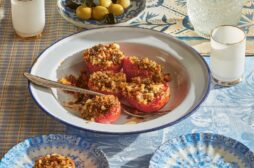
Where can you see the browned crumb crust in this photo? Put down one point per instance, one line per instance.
(163, 78)
(54, 161)
(143, 91)
(157, 74)
(98, 105)
(146, 64)
(104, 55)
(107, 81)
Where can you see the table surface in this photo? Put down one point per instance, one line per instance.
(227, 111)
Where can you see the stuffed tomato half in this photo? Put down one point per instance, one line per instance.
(134, 66)
(104, 57)
(106, 82)
(102, 109)
(146, 97)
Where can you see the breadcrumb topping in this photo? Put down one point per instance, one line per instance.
(146, 64)
(107, 81)
(149, 82)
(104, 55)
(54, 161)
(144, 92)
(98, 105)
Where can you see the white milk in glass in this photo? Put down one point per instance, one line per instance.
(28, 17)
(228, 45)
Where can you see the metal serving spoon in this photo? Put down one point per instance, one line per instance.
(53, 84)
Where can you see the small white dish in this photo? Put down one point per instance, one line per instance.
(135, 9)
(189, 87)
(83, 153)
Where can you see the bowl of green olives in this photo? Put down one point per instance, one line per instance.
(100, 13)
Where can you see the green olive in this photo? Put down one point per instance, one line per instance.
(116, 9)
(125, 3)
(99, 12)
(105, 3)
(84, 12)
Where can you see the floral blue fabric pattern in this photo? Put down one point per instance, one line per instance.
(168, 16)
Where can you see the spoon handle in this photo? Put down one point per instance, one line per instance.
(52, 84)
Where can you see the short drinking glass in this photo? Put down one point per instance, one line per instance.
(228, 44)
(28, 17)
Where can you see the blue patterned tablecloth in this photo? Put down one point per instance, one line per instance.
(227, 111)
(170, 16)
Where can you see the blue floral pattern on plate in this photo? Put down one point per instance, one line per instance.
(84, 154)
(136, 7)
(202, 150)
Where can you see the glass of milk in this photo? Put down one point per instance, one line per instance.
(228, 45)
(205, 15)
(28, 17)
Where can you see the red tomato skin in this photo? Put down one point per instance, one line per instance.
(111, 116)
(152, 106)
(94, 68)
(132, 70)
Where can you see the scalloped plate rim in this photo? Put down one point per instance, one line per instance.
(13, 149)
(161, 153)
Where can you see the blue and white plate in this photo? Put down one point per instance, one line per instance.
(135, 9)
(24, 154)
(202, 151)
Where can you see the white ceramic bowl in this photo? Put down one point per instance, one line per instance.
(189, 87)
